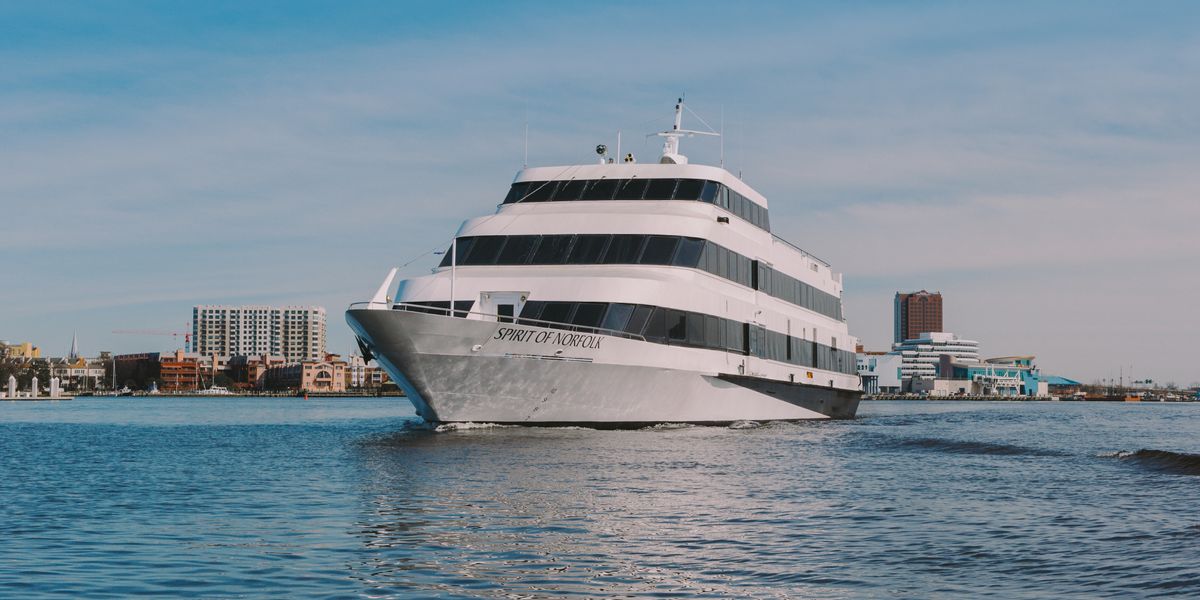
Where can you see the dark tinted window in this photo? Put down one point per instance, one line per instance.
(659, 250)
(532, 309)
(637, 320)
(517, 250)
(624, 249)
(464, 248)
(689, 189)
(516, 192)
(570, 190)
(617, 316)
(709, 258)
(656, 326)
(713, 332)
(638, 189)
(631, 189)
(539, 191)
(601, 189)
(724, 262)
(588, 249)
(734, 336)
(689, 251)
(504, 313)
(660, 189)
(589, 314)
(552, 250)
(695, 329)
(677, 325)
(484, 252)
(557, 312)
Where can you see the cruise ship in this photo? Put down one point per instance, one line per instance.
(618, 294)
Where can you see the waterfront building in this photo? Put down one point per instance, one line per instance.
(78, 373)
(23, 350)
(356, 372)
(180, 372)
(250, 372)
(880, 372)
(328, 375)
(294, 332)
(1003, 376)
(137, 371)
(1061, 386)
(916, 313)
(922, 355)
(81, 374)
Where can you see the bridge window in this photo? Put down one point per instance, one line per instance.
(689, 189)
(517, 250)
(660, 189)
(553, 249)
(588, 249)
(624, 249)
(570, 190)
(601, 189)
(659, 250)
(631, 189)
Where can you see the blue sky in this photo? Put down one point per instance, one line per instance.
(1033, 161)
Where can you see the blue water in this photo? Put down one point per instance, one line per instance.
(351, 498)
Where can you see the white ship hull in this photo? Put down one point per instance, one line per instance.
(467, 370)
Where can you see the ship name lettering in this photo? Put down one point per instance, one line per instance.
(556, 338)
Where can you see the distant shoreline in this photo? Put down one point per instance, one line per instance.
(1113, 399)
(251, 395)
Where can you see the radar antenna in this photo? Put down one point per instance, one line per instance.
(670, 154)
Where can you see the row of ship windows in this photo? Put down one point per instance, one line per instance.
(675, 328)
(641, 189)
(636, 249)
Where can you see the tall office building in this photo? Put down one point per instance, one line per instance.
(917, 313)
(294, 332)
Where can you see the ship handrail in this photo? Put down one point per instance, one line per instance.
(516, 320)
(802, 251)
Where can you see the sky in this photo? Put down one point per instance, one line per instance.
(1033, 161)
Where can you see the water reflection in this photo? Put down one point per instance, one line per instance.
(696, 511)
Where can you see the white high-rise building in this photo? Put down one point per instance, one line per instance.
(293, 332)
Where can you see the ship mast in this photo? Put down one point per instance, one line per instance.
(670, 153)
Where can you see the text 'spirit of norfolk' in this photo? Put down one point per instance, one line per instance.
(549, 338)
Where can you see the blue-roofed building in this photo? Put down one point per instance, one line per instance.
(1061, 386)
(1004, 376)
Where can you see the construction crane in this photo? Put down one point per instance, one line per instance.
(187, 337)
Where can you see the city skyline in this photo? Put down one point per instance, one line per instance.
(1031, 162)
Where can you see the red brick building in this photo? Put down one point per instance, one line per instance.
(917, 313)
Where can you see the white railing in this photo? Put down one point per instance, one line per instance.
(435, 310)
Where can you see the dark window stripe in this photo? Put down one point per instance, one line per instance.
(635, 249)
(701, 190)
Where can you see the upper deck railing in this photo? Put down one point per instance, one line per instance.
(515, 320)
(802, 251)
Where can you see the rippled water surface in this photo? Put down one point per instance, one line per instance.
(239, 497)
